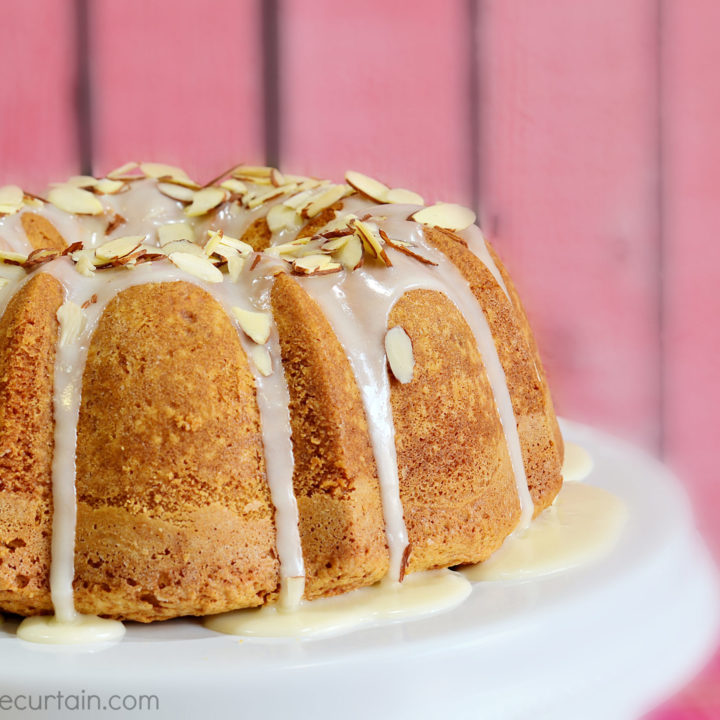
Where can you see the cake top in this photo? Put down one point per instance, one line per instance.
(132, 216)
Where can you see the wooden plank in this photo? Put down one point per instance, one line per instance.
(177, 81)
(568, 152)
(372, 87)
(691, 108)
(37, 114)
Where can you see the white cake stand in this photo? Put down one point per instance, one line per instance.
(605, 641)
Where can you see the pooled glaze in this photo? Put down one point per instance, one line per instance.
(577, 463)
(80, 630)
(581, 526)
(419, 595)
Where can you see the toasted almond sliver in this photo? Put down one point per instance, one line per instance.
(205, 200)
(277, 178)
(335, 244)
(374, 189)
(315, 265)
(242, 247)
(119, 247)
(109, 187)
(72, 322)
(172, 232)
(199, 266)
(259, 171)
(297, 201)
(399, 351)
(445, 215)
(160, 170)
(372, 241)
(122, 172)
(256, 325)
(11, 196)
(84, 266)
(12, 257)
(176, 192)
(75, 200)
(281, 217)
(235, 265)
(326, 199)
(214, 239)
(288, 248)
(254, 201)
(237, 187)
(261, 359)
(82, 181)
(183, 246)
(400, 196)
(350, 255)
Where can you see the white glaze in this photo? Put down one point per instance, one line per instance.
(577, 463)
(581, 526)
(419, 595)
(81, 630)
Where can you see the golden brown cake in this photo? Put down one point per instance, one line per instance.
(214, 397)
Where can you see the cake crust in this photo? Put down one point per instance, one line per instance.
(174, 511)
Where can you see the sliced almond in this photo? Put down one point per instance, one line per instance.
(372, 242)
(256, 200)
(75, 200)
(256, 325)
(109, 187)
(11, 199)
(374, 189)
(350, 255)
(199, 266)
(119, 247)
(82, 181)
(445, 215)
(259, 171)
(12, 258)
(399, 351)
(316, 265)
(288, 248)
(281, 217)
(84, 266)
(72, 322)
(182, 246)
(326, 199)
(214, 239)
(235, 265)
(124, 171)
(261, 359)
(237, 187)
(242, 247)
(115, 222)
(334, 244)
(277, 178)
(400, 196)
(404, 248)
(172, 232)
(176, 192)
(160, 170)
(299, 200)
(205, 200)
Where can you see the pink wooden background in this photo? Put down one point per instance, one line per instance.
(583, 132)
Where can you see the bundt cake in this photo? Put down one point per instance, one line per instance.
(217, 396)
